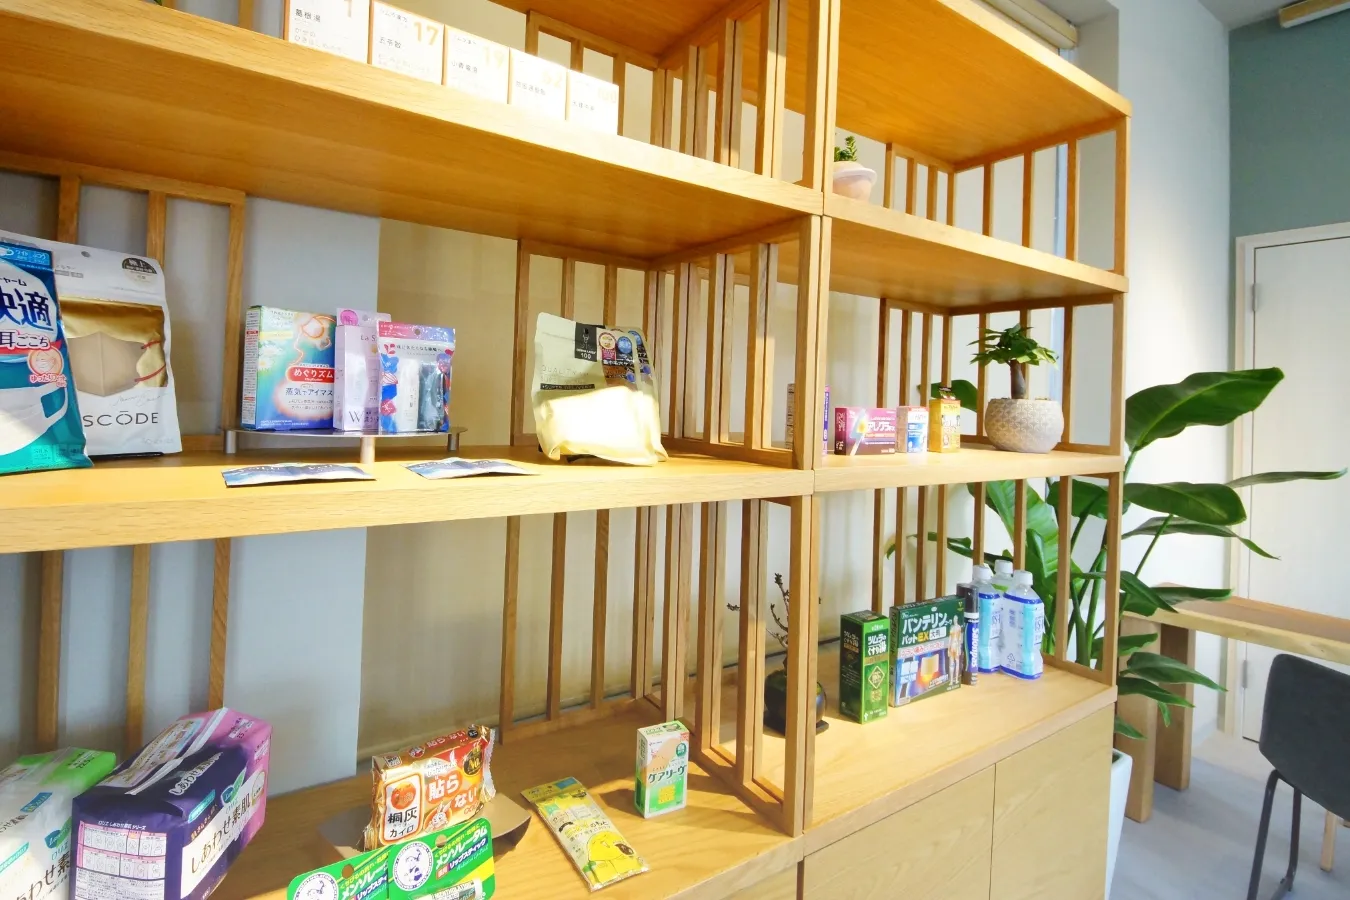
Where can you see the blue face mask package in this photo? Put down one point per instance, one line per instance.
(39, 417)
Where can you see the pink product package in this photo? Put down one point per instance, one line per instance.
(167, 823)
(356, 370)
(863, 431)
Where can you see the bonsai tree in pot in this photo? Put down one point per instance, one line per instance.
(775, 683)
(851, 178)
(1016, 423)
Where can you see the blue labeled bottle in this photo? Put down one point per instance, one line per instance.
(987, 602)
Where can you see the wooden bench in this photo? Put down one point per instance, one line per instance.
(1164, 755)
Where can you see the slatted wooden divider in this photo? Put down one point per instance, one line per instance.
(71, 179)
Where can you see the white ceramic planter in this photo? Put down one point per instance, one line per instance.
(1024, 426)
(854, 180)
(1121, 764)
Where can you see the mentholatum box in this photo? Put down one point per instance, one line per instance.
(864, 664)
(860, 431)
(35, 796)
(167, 824)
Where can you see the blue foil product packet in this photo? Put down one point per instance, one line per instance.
(40, 425)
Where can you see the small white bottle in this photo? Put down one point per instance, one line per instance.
(1003, 575)
(988, 600)
(1023, 629)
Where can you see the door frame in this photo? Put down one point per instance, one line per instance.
(1244, 352)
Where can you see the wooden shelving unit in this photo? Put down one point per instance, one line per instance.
(949, 88)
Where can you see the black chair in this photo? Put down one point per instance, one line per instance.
(1305, 734)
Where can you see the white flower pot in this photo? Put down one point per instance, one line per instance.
(1024, 426)
(853, 180)
(1121, 764)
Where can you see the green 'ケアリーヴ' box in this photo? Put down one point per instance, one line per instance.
(864, 661)
(926, 648)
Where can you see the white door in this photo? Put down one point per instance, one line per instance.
(1301, 325)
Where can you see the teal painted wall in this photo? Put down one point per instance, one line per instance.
(1290, 93)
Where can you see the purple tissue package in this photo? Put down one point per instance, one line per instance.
(167, 824)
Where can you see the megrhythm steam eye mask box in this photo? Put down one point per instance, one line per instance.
(39, 414)
(288, 370)
(167, 824)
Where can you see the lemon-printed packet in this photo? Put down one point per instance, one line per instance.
(586, 834)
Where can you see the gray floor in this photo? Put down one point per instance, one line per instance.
(1199, 843)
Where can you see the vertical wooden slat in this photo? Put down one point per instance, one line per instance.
(246, 19)
(644, 577)
(578, 60)
(1122, 191)
(1019, 536)
(51, 589)
(1118, 374)
(931, 200)
(750, 651)
(730, 81)
(987, 219)
(556, 591)
(600, 613)
(686, 278)
(220, 621)
(68, 210)
(510, 597)
(1115, 486)
(1066, 375)
(621, 82)
(522, 325)
(809, 365)
(531, 35)
(912, 186)
(921, 523)
(977, 492)
(756, 339)
(1028, 197)
(1064, 586)
(1071, 197)
(772, 72)
(156, 225)
(764, 383)
(713, 386)
(879, 499)
(662, 80)
(822, 67)
(905, 398)
(234, 321)
(951, 197)
(981, 379)
(940, 548)
(694, 130)
(803, 626)
(727, 347)
(888, 180)
(812, 655)
(136, 641)
(675, 637)
(711, 597)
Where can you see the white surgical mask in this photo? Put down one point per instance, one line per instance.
(23, 418)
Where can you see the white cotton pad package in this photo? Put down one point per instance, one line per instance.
(116, 320)
(595, 393)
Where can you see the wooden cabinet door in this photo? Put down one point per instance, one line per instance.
(782, 886)
(1051, 804)
(937, 849)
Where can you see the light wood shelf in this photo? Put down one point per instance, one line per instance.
(181, 498)
(969, 466)
(880, 252)
(246, 111)
(864, 773)
(712, 848)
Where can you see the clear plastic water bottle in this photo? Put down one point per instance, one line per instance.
(988, 600)
(1023, 629)
(1003, 575)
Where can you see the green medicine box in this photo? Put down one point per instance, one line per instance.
(864, 661)
(926, 648)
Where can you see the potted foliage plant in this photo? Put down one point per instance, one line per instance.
(775, 683)
(851, 178)
(1016, 423)
(1180, 507)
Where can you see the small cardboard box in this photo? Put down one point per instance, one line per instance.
(340, 27)
(926, 648)
(538, 85)
(662, 769)
(860, 431)
(944, 424)
(406, 43)
(864, 665)
(288, 370)
(476, 65)
(592, 102)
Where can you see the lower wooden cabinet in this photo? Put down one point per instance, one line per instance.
(1051, 805)
(937, 849)
(782, 886)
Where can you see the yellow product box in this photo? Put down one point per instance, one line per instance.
(662, 769)
(538, 85)
(944, 423)
(476, 65)
(406, 43)
(340, 27)
(592, 102)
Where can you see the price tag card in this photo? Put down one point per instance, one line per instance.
(538, 85)
(407, 43)
(592, 102)
(476, 65)
(341, 27)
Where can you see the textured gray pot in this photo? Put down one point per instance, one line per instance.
(1024, 426)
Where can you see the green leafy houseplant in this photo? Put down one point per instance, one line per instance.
(1015, 348)
(1015, 423)
(848, 152)
(1151, 415)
